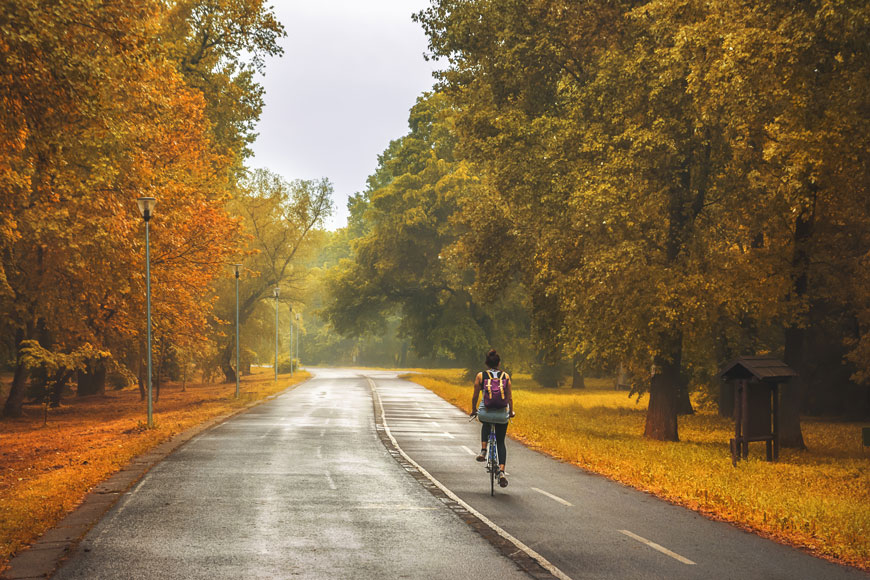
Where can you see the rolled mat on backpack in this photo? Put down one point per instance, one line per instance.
(485, 415)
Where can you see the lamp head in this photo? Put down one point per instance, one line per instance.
(276, 292)
(146, 207)
(237, 268)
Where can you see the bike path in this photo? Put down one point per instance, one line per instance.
(300, 487)
(582, 523)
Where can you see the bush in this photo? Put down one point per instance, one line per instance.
(285, 368)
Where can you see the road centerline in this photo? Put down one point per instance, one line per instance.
(657, 547)
(553, 497)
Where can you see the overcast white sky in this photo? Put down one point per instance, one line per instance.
(350, 72)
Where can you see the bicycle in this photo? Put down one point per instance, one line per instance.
(491, 457)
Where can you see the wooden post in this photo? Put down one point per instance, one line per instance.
(735, 443)
(775, 409)
(745, 417)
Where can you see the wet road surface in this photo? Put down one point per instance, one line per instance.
(583, 524)
(309, 486)
(300, 487)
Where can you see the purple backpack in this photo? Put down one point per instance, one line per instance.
(494, 387)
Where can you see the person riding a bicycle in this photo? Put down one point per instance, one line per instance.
(495, 410)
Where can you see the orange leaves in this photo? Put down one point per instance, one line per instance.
(97, 116)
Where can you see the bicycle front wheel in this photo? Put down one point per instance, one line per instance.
(492, 475)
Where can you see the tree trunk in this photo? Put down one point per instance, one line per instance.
(793, 393)
(790, 434)
(18, 390)
(403, 361)
(14, 402)
(226, 363)
(661, 415)
(685, 402)
(142, 378)
(577, 380)
(92, 380)
(57, 387)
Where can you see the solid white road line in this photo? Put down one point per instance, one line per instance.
(470, 452)
(553, 497)
(655, 546)
(527, 550)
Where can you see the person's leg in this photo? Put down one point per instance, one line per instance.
(484, 437)
(500, 433)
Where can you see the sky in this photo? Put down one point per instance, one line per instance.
(350, 72)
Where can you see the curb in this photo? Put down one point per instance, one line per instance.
(42, 558)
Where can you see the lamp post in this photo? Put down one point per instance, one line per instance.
(298, 340)
(275, 293)
(237, 268)
(291, 342)
(146, 208)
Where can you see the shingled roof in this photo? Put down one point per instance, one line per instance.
(763, 368)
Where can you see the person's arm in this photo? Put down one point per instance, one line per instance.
(510, 396)
(478, 382)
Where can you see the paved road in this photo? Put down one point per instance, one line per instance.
(309, 486)
(300, 487)
(585, 525)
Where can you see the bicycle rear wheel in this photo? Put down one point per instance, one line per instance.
(492, 462)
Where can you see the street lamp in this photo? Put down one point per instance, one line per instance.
(291, 342)
(275, 293)
(298, 340)
(146, 208)
(237, 268)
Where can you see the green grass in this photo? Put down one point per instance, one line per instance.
(817, 499)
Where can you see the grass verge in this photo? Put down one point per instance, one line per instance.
(46, 471)
(818, 500)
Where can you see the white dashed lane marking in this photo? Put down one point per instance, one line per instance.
(658, 547)
(553, 497)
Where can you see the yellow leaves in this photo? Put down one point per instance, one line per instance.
(34, 356)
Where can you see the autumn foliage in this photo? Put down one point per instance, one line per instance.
(99, 108)
(674, 184)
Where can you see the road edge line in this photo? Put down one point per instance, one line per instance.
(535, 556)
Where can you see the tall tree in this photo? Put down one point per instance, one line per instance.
(404, 261)
(103, 118)
(279, 218)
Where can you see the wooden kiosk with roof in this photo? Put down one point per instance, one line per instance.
(756, 402)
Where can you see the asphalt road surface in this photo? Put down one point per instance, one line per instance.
(358, 474)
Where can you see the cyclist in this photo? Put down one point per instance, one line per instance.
(493, 414)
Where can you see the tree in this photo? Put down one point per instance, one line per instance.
(102, 118)
(279, 218)
(404, 261)
(219, 47)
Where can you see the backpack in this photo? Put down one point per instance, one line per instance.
(494, 387)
